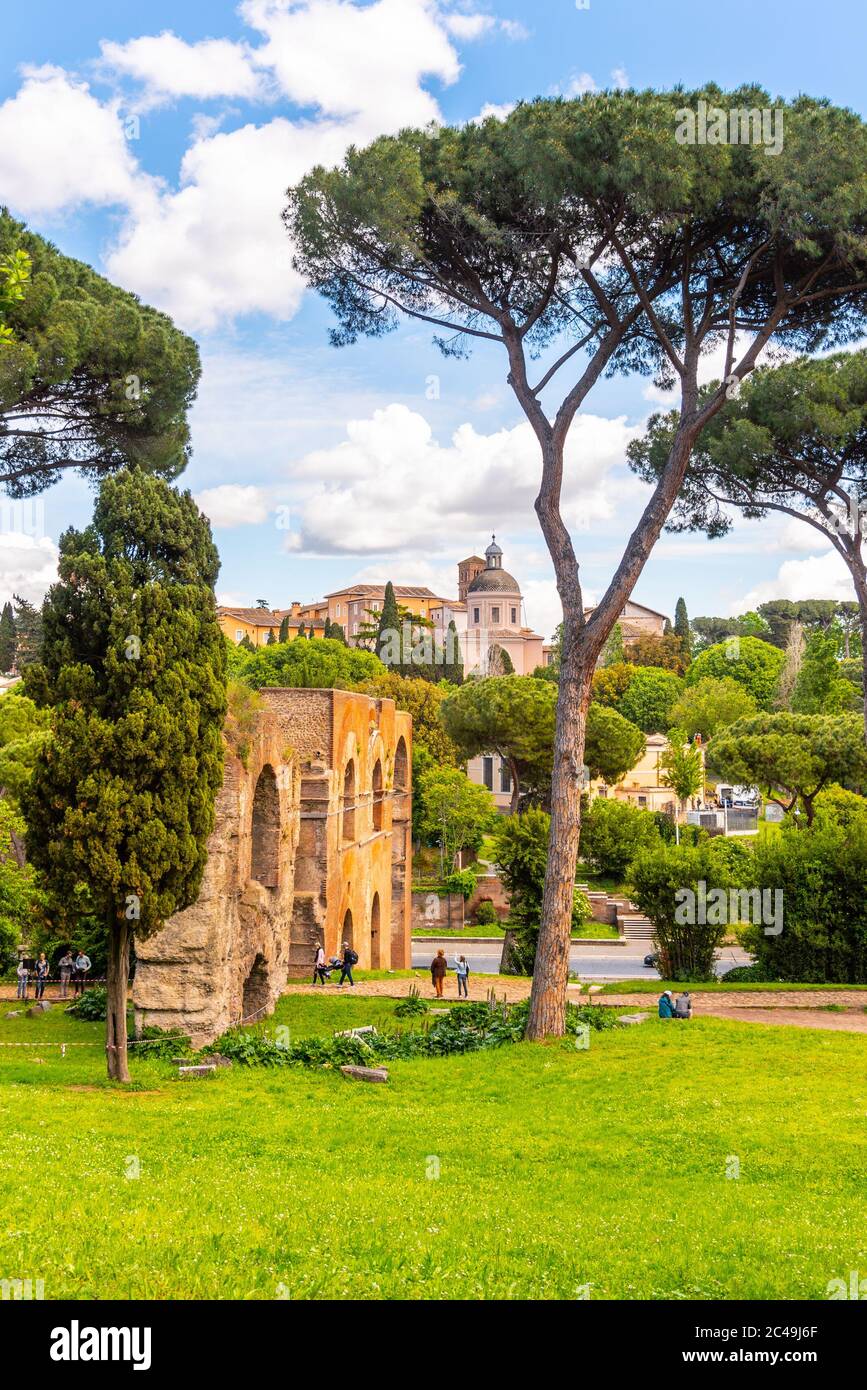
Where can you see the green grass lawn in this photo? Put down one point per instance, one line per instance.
(595, 930)
(557, 1168)
(646, 985)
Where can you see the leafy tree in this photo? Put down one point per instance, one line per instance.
(649, 697)
(792, 757)
(613, 653)
(681, 628)
(499, 661)
(423, 700)
(23, 735)
(710, 705)
(613, 832)
(820, 874)
(93, 381)
(121, 798)
(584, 230)
(28, 632)
(681, 768)
(7, 639)
(521, 853)
(21, 900)
(754, 664)
(837, 806)
(317, 664)
(14, 277)
(820, 688)
(794, 441)
(613, 745)
(458, 813)
(658, 880)
(610, 683)
(512, 716)
(665, 652)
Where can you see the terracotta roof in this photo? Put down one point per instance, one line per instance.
(378, 591)
(260, 617)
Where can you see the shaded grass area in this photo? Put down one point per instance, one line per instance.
(643, 985)
(556, 1168)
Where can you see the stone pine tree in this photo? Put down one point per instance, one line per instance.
(681, 627)
(121, 800)
(7, 638)
(596, 235)
(91, 380)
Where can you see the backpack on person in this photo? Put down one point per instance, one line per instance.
(352, 957)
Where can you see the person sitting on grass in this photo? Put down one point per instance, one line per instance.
(683, 1005)
(666, 1004)
(438, 968)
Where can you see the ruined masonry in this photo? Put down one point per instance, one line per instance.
(312, 843)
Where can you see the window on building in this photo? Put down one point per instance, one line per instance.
(488, 773)
(514, 615)
(505, 778)
(475, 615)
(239, 634)
(642, 801)
(495, 615)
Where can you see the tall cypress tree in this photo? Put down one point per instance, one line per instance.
(454, 666)
(326, 629)
(284, 629)
(28, 632)
(7, 638)
(121, 800)
(681, 627)
(388, 632)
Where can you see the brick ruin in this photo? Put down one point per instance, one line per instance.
(312, 843)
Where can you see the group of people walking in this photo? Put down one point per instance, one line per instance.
(74, 967)
(322, 968)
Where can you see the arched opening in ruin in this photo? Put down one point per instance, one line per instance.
(400, 809)
(376, 788)
(256, 997)
(265, 830)
(348, 817)
(347, 928)
(374, 933)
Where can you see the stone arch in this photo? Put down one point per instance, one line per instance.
(346, 929)
(376, 795)
(265, 830)
(256, 997)
(347, 817)
(375, 940)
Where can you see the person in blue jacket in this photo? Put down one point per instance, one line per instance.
(666, 1004)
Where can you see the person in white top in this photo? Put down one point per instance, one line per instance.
(319, 966)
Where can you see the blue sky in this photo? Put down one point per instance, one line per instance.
(156, 142)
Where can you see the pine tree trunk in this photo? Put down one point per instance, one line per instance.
(862, 606)
(116, 986)
(551, 974)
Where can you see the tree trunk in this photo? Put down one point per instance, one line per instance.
(516, 787)
(551, 973)
(862, 607)
(116, 985)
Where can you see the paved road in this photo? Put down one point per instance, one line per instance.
(588, 962)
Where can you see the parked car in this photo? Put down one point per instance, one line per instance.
(651, 960)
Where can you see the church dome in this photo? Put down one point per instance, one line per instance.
(492, 580)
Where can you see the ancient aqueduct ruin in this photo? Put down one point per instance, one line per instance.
(312, 843)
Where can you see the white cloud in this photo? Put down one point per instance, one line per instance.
(61, 147)
(469, 26)
(620, 78)
(514, 30)
(28, 566)
(390, 487)
(168, 67)
(818, 576)
(491, 108)
(579, 84)
(233, 505)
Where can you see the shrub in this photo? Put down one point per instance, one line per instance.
(748, 974)
(91, 1005)
(613, 832)
(486, 914)
(821, 874)
(164, 1043)
(521, 851)
(412, 1005)
(657, 878)
(461, 881)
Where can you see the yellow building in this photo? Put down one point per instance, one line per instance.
(258, 623)
(642, 785)
(352, 607)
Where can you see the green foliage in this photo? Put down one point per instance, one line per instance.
(613, 832)
(21, 900)
(837, 806)
(24, 732)
(243, 705)
(791, 757)
(754, 664)
(389, 623)
(461, 881)
(413, 1006)
(28, 632)
(7, 639)
(121, 798)
(681, 627)
(14, 276)
(710, 705)
(821, 874)
(318, 664)
(486, 914)
(657, 878)
(457, 813)
(163, 1044)
(612, 652)
(649, 698)
(747, 975)
(94, 380)
(612, 745)
(820, 688)
(92, 1005)
(521, 853)
(513, 716)
(681, 766)
(423, 700)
